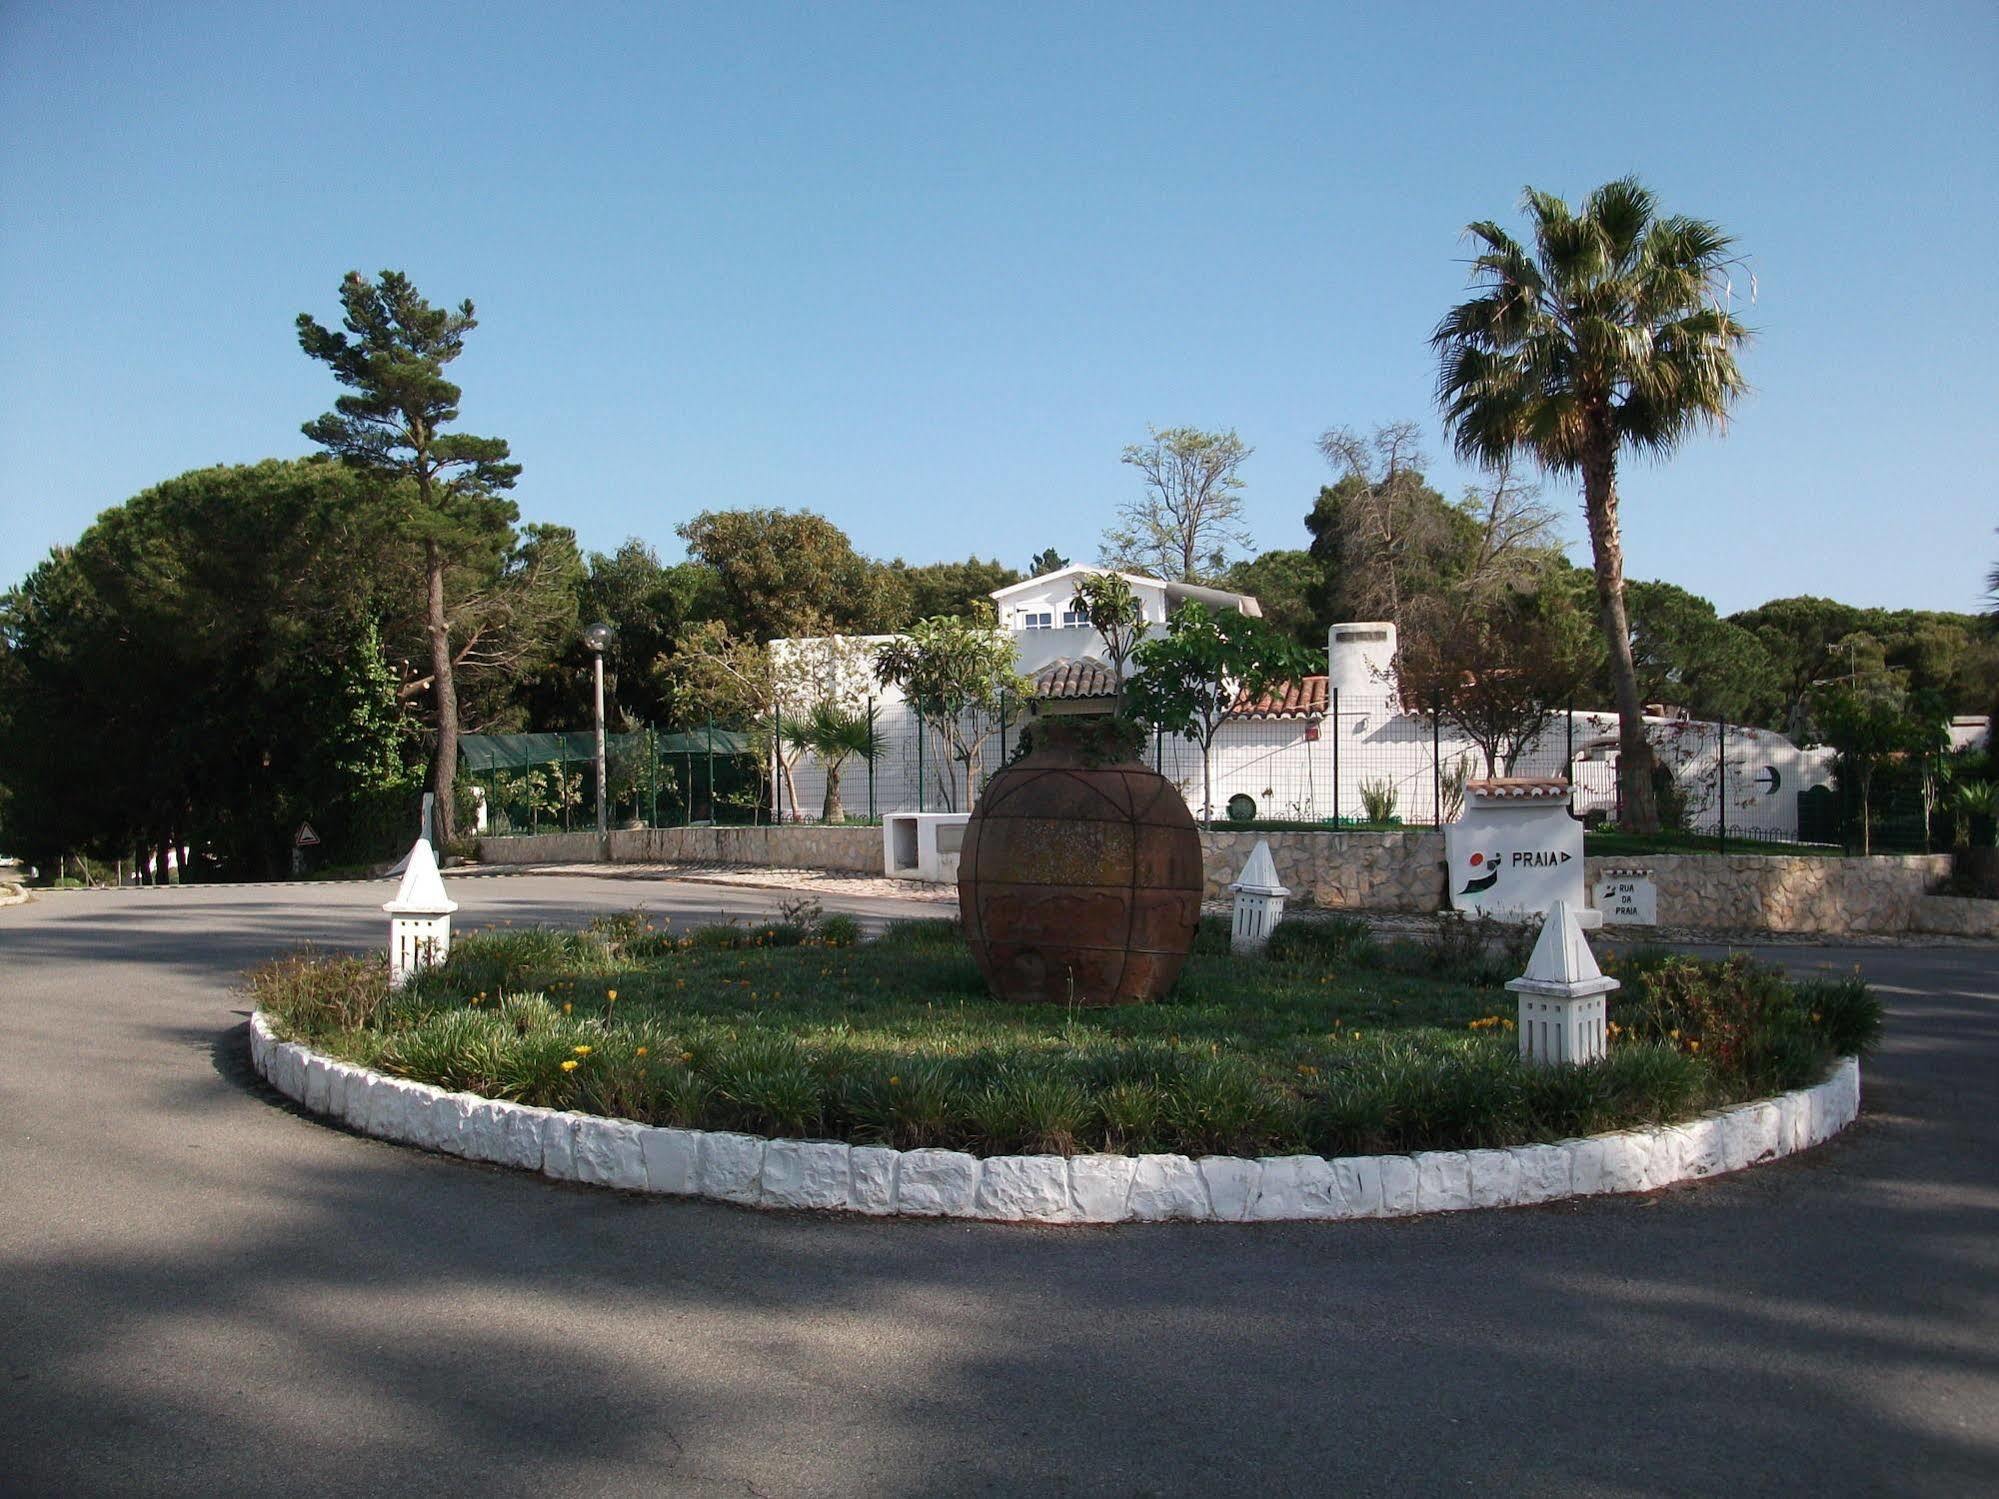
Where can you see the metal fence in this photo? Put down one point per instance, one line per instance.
(1361, 762)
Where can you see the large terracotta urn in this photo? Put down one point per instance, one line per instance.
(1080, 878)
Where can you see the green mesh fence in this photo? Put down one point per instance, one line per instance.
(541, 783)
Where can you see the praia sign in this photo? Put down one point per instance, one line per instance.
(1515, 850)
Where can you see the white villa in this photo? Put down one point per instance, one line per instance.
(1309, 751)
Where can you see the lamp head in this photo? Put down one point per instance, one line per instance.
(599, 637)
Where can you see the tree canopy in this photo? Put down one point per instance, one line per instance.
(1186, 524)
(445, 486)
(1612, 333)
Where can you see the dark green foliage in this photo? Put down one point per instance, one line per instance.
(839, 930)
(1845, 1011)
(1744, 1018)
(1686, 656)
(1325, 941)
(950, 588)
(1283, 582)
(787, 574)
(203, 668)
(443, 488)
(1046, 561)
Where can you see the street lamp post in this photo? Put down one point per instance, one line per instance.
(598, 638)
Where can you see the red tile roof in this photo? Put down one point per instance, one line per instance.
(1083, 678)
(1304, 698)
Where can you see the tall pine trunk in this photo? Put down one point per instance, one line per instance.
(445, 774)
(1640, 808)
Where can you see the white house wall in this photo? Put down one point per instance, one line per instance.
(1291, 776)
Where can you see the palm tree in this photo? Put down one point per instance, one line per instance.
(1613, 333)
(835, 736)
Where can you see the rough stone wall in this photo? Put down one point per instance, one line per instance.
(1786, 893)
(1366, 871)
(1402, 872)
(1957, 916)
(856, 850)
(1379, 872)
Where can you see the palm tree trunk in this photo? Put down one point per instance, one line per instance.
(831, 811)
(1634, 756)
(445, 773)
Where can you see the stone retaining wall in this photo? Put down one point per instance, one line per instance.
(852, 850)
(1957, 916)
(757, 1172)
(1787, 893)
(1400, 871)
(1366, 871)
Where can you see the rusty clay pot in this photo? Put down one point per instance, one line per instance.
(1080, 882)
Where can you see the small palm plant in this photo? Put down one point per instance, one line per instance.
(1976, 804)
(835, 735)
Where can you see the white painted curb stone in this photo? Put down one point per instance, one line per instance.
(873, 1179)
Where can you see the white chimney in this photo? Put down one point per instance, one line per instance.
(1360, 658)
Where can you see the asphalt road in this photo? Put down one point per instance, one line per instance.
(205, 1292)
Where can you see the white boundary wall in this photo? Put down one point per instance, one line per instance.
(757, 1172)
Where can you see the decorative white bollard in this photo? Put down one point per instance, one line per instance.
(1259, 903)
(1562, 996)
(419, 917)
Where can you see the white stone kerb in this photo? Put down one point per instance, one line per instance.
(819, 1174)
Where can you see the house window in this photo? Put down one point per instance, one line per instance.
(1072, 618)
(1044, 620)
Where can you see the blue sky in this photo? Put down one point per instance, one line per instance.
(928, 269)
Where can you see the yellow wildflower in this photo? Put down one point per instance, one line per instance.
(569, 1066)
(895, 1082)
(582, 1051)
(565, 1007)
(612, 995)
(687, 1056)
(642, 1051)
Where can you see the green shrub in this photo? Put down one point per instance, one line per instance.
(1131, 1113)
(839, 930)
(1377, 801)
(896, 1042)
(1845, 1012)
(1036, 1112)
(1323, 942)
(1219, 1106)
(1724, 1009)
(929, 935)
(618, 929)
(311, 993)
(912, 1106)
(457, 1050)
(1211, 937)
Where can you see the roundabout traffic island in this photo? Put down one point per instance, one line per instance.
(794, 1066)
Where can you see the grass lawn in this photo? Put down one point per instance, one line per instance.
(1335, 1045)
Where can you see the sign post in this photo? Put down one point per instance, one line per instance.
(1628, 897)
(1515, 850)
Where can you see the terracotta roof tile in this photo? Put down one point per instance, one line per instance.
(1304, 698)
(1082, 678)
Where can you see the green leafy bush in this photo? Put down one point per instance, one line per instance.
(896, 1042)
(839, 930)
(1323, 941)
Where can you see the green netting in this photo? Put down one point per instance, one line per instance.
(482, 752)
